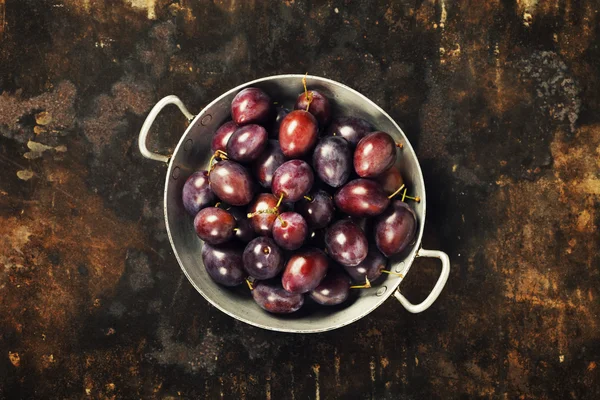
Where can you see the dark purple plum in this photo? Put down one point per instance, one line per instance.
(298, 133)
(332, 160)
(224, 263)
(374, 154)
(346, 243)
(361, 198)
(267, 163)
(262, 223)
(222, 135)
(232, 183)
(319, 106)
(350, 128)
(214, 225)
(280, 114)
(395, 228)
(391, 180)
(271, 297)
(334, 289)
(370, 267)
(250, 106)
(290, 230)
(243, 231)
(293, 179)
(247, 143)
(196, 193)
(263, 259)
(304, 270)
(318, 211)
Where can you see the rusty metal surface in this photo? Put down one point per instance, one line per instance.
(500, 99)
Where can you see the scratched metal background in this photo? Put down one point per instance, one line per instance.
(501, 99)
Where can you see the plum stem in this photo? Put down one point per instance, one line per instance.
(385, 271)
(366, 285)
(236, 229)
(396, 192)
(249, 284)
(220, 154)
(404, 196)
(308, 198)
(399, 145)
(273, 210)
(279, 202)
(307, 94)
(283, 223)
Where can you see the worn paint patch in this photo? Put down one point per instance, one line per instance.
(109, 118)
(148, 5)
(59, 103)
(38, 148)
(191, 358)
(557, 93)
(25, 174)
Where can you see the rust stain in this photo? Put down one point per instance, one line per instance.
(385, 362)
(538, 214)
(14, 358)
(17, 239)
(336, 365)
(80, 232)
(316, 368)
(229, 6)
(517, 372)
(48, 360)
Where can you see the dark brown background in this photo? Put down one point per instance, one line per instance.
(500, 99)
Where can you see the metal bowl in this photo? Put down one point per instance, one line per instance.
(193, 153)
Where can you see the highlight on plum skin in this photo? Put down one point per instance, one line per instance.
(304, 270)
(222, 135)
(290, 230)
(251, 106)
(223, 263)
(197, 193)
(374, 154)
(262, 258)
(293, 180)
(272, 297)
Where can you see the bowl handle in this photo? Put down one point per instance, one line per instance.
(437, 289)
(165, 101)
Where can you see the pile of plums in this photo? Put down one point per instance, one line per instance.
(291, 198)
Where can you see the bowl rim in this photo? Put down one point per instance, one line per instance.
(408, 261)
